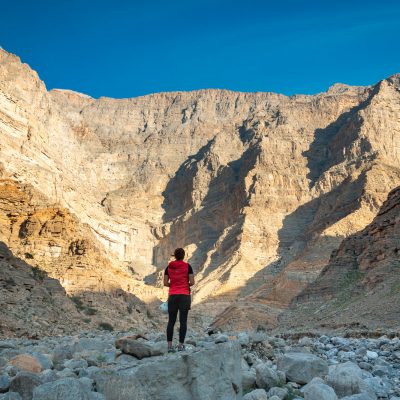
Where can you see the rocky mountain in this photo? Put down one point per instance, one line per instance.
(259, 188)
(360, 286)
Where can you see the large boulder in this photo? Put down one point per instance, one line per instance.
(347, 379)
(10, 396)
(24, 383)
(319, 391)
(65, 389)
(27, 362)
(266, 377)
(212, 373)
(302, 367)
(135, 348)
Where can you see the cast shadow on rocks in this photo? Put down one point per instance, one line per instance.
(327, 147)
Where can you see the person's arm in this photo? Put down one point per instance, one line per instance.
(191, 276)
(166, 277)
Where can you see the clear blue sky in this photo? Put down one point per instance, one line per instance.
(130, 48)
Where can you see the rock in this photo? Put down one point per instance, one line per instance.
(302, 367)
(266, 377)
(136, 348)
(360, 396)
(381, 387)
(4, 383)
(372, 355)
(10, 396)
(96, 396)
(63, 352)
(221, 338)
(75, 364)
(43, 359)
(24, 383)
(244, 339)
(65, 389)
(257, 394)
(48, 375)
(319, 391)
(346, 379)
(279, 392)
(213, 374)
(248, 379)
(26, 362)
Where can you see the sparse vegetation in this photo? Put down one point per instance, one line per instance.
(38, 274)
(350, 279)
(105, 326)
(87, 320)
(78, 302)
(90, 311)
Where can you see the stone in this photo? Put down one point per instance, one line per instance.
(24, 383)
(75, 364)
(346, 379)
(279, 392)
(266, 377)
(26, 362)
(244, 339)
(4, 383)
(221, 338)
(248, 379)
(213, 374)
(136, 348)
(372, 355)
(318, 391)
(302, 367)
(66, 389)
(10, 396)
(257, 394)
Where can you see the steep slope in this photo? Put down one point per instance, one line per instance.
(360, 286)
(259, 188)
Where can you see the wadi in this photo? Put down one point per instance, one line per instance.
(288, 208)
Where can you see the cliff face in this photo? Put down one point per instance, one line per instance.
(259, 188)
(360, 286)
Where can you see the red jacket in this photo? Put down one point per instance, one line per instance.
(178, 273)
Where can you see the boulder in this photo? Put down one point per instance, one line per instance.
(135, 348)
(24, 383)
(346, 379)
(266, 377)
(26, 362)
(4, 383)
(279, 392)
(302, 367)
(65, 389)
(258, 394)
(207, 373)
(318, 391)
(248, 379)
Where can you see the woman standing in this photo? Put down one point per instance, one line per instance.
(179, 277)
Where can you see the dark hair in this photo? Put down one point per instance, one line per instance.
(179, 254)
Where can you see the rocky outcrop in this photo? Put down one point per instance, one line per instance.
(259, 188)
(361, 282)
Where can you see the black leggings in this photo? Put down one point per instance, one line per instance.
(177, 302)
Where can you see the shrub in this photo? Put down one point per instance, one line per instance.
(105, 326)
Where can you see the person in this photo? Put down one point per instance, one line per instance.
(179, 277)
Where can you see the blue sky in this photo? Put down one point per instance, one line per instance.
(131, 48)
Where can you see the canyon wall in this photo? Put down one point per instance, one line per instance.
(259, 188)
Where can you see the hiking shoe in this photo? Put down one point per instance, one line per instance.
(181, 347)
(171, 350)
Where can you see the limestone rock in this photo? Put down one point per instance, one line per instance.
(302, 367)
(212, 373)
(26, 362)
(66, 389)
(135, 348)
